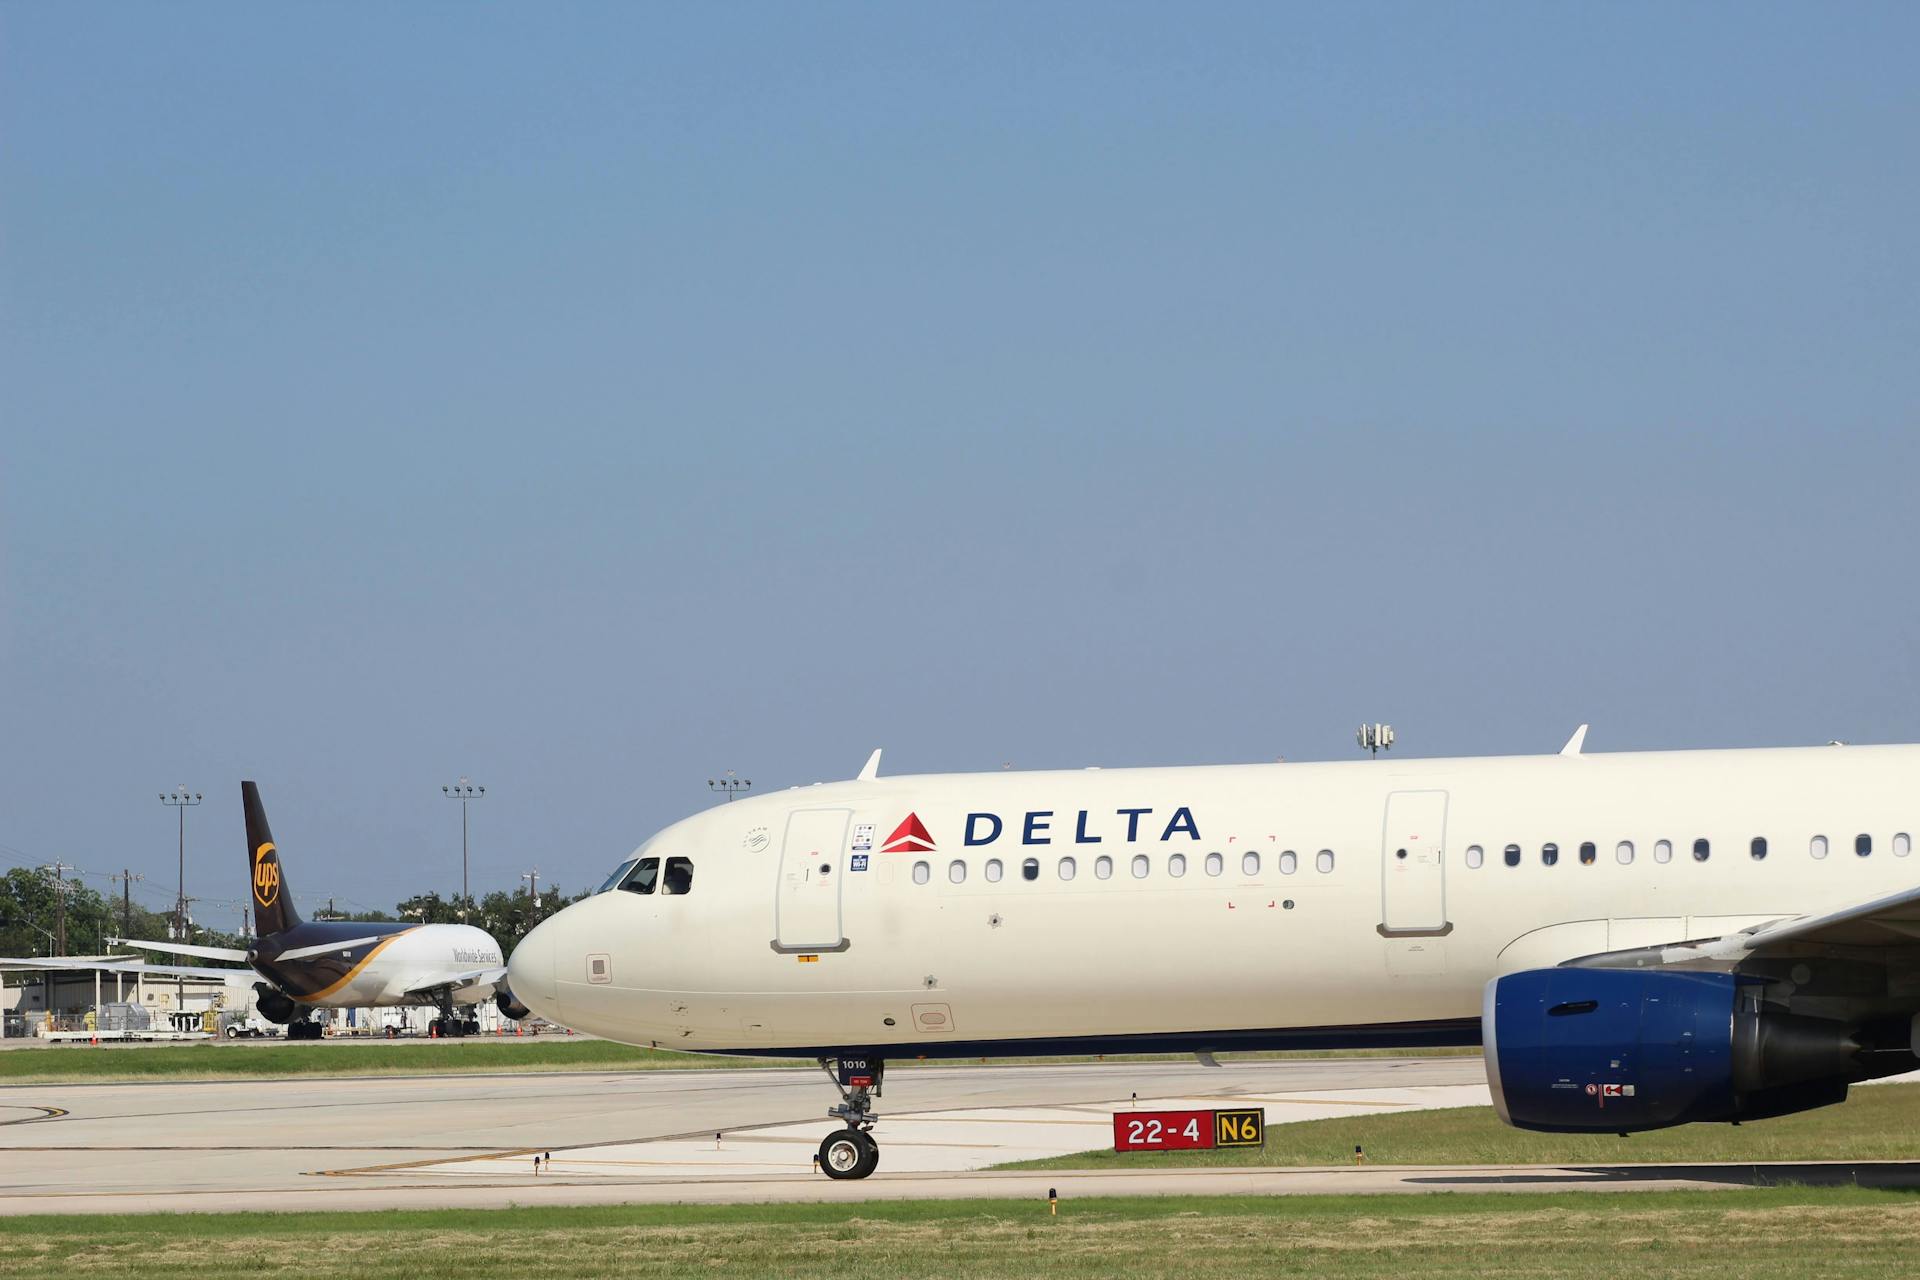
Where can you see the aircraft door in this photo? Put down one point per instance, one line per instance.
(1413, 897)
(807, 898)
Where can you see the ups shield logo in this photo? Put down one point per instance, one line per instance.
(266, 876)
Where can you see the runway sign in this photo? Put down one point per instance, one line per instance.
(1188, 1130)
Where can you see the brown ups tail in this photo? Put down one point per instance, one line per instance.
(272, 904)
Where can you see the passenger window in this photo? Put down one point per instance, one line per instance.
(1817, 846)
(1549, 854)
(1030, 869)
(957, 872)
(1289, 862)
(644, 876)
(1663, 851)
(1588, 853)
(1068, 868)
(619, 874)
(1215, 864)
(1323, 861)
(1758, 848)
(1475, 855)
(1177, 865)
(1140, 866)
(679, 877)
(1623, 852)
(922, 873)
(993, 870)
(1512, 855)
(1902, 845)
(1863, 844)
(1701, 851)
(1249, 863)
(1103, 867)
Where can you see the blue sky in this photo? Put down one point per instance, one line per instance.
(590, 398)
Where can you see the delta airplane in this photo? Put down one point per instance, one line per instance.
(1636, 939)
(350, 964)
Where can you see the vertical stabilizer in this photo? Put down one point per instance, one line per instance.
(272, 904)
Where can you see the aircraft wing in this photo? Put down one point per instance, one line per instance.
(1882, 924)
(1892, 921)
(11, 964)
(182, 949)
(425, 987)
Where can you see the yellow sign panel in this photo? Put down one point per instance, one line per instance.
(1240, 1128)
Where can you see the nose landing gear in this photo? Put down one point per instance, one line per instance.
(852, 1152)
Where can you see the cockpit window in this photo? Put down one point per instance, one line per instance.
(619, 874)
(679, 878)
(643, 877)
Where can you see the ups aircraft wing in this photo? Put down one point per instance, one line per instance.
(1882, 925)
(181, 949)
(130, 966)
(425, 988)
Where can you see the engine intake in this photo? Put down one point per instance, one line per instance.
(274, 1006)
(1616, 1050)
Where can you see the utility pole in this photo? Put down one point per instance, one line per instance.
(727, 784)
(463, 791)
(181, 799)
(126, 879)
(59, 870)
(533, 885)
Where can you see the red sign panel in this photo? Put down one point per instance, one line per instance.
(1163, 1131)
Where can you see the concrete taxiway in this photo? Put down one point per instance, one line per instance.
(468, 1141)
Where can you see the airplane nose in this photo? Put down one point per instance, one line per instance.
(530, 972)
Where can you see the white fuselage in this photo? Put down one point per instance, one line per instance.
(793, 937)
(384, 972)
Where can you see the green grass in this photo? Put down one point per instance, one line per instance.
(205, 1061)
(1838, 1234)
(1881, 1122)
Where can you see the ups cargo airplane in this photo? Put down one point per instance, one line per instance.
(1637, 940)
(349, 964)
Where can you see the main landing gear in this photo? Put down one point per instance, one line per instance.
(447, 1025)
(852, 1152)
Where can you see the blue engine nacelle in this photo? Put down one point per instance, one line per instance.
(1616, 1050)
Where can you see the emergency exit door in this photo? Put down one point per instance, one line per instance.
(807, 898)
(1413, 893)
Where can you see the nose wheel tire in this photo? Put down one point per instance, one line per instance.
(849, 1154)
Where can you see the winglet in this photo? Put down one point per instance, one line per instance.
(870, 770)
(1578, 740)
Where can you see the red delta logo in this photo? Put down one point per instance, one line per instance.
(909, 837)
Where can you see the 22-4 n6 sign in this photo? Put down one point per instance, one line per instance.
(1188, 1130)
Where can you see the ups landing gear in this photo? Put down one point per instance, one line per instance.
(852, 1152)
(448, 1024)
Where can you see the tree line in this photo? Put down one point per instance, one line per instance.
(31, 920)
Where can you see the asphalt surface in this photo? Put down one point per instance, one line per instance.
(468, 1141)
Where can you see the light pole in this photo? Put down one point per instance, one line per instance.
(463, 791)
(728, 785)
(181, 799)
